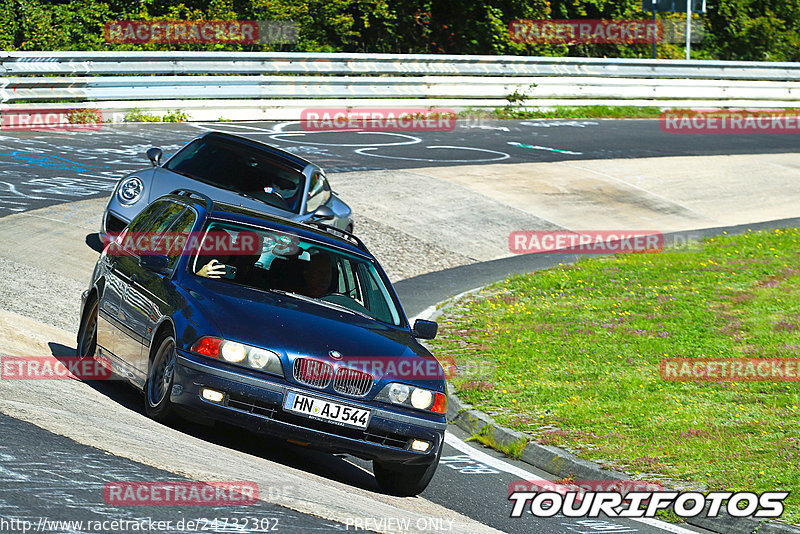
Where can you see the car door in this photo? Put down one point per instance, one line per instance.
(136, 305)
(109, 308)
(149, 296)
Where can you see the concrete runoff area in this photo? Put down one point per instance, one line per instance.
(470, 210)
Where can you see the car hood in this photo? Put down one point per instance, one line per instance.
(295, 327)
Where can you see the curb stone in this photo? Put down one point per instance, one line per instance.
(561, 463)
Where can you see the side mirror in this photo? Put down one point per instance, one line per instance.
(155, 263)
(323, 213)
(425, 329)
(154, 155)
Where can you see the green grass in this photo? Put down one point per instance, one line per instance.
(571, 356)
(581, 112)
(517, 111)
(513, 449)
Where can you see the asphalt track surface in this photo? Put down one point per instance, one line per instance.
(48, 475)
(44, 168)
(53, 483)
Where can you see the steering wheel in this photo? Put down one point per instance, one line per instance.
(277, 195)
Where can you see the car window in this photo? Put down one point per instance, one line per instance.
(318, 192)
(183, 224)
(140, 221)
(162, 222)
(241, 168)
(288, 264)
(156, 219)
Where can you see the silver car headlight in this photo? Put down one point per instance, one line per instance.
(130, 190)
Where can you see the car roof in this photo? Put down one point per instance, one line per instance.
(316, 231)
(287, 158)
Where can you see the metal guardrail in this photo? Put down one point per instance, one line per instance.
(139, 77)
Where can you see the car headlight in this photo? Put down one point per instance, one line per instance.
(239, 354)
(130, 190)
(421, 399)
(233, 352)
(413, 397)
(266, 360)
(398, 393)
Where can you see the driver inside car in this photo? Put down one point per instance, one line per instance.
(317, 275)
(246, 270)
(316, 281)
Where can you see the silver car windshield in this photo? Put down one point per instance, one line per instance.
(305, 270)
(242, 169)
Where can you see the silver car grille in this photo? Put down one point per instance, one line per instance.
(311, 372)
(349, 381)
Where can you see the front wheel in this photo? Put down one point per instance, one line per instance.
(87, 334)
(404, 480)
(158, 388)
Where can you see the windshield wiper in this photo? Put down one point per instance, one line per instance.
(322, 302)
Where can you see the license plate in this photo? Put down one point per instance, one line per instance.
(323, 410)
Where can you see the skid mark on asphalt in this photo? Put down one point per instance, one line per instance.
(612, 178)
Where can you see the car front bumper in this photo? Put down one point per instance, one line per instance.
(257, 404)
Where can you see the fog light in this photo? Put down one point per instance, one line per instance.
(420, 446)
(213, 395)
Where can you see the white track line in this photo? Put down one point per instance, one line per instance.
(497, 463)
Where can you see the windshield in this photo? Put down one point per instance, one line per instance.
(300, 269)
(240, 168)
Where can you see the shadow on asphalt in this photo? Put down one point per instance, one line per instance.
(263, 446)
(94, 242)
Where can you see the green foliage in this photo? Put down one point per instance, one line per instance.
(85, 116)
(735, 29)
(137, 115)
(175, 116)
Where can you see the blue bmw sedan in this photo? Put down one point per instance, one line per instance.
(287, 329)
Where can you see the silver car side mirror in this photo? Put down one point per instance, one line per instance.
(154, 155)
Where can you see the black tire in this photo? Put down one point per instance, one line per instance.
(158, 386)
(404, 480)
(87, 333)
